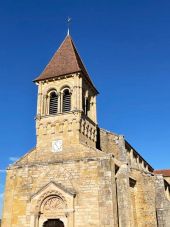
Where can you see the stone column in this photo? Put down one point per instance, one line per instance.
(34, 220)
(131, 157)
(47, 105)
(94, 110)
(114, 193)
(80, 107)
(61, 102)
(123, 152)
(123, 196)
(162, 203)
(39, 101)
(43, 112)
(107, 194)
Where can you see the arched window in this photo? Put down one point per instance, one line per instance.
(53, 104)
(84, 103)
(66, 100)
(87, 107)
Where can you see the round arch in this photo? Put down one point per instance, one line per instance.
(50, 90)
(52, 204)
(65, 87)
(53, 223)
(52, 208)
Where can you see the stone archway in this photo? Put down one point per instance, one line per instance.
(52, 212)
(52, 202)
(53, 223)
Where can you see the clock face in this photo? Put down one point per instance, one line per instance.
(57, 145)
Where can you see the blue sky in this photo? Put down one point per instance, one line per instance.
(125, 46)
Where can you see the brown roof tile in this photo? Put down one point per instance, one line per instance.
(164, 172)
(65, 61)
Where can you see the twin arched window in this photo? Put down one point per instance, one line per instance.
(66, 100)
(53, 105)
(62, 104)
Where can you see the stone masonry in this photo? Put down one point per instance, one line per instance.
(79, 174)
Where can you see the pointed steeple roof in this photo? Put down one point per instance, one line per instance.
(65, 61)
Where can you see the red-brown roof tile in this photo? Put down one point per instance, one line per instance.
(65, 61)
(164, 172)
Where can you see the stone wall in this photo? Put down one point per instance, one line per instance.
(89, 180)
(162, 202)
(144, 198)
(87, 186)
(71, 127)
(111, 143)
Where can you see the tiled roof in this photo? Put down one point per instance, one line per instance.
(65, 61)
(164, 172)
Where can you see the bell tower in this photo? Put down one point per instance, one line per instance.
(66, 106)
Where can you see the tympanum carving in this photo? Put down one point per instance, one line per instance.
(53, 203)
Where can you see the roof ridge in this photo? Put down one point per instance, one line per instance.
(164, 172)
(161, 169)
(53, 56)
(75, 50)
(77, 55)
(85, 71)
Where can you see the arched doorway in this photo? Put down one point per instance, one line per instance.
(53, 223)
(53, 211)
(52, 207)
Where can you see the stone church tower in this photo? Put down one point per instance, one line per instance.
(80, 175)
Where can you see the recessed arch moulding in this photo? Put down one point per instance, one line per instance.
(52, 202)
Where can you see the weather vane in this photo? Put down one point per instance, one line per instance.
(68, 24)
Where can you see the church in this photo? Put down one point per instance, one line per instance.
(78, 174)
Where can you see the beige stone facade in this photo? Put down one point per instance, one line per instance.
(80, 175)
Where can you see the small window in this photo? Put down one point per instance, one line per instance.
(84, 104)
(53, 106)
(87, 107)
(66, 101)
(132, 182)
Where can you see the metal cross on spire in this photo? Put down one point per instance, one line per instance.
(68, 24)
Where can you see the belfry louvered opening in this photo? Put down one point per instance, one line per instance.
(66, 101)
(53, 107)
(87, 107)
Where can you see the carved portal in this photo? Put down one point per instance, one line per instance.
(53, 208)
(53, 204)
